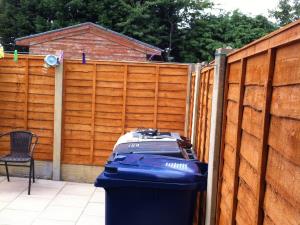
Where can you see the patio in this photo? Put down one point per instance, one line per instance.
(50, 202)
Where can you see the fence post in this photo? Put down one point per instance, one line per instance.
(58, 97)
(195, 107)
(188, 98)
(215, 135)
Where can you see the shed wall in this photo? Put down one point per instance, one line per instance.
(95, 47)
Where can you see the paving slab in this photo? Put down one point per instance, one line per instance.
(52, 222)
(6, 196)
(50, 203)
(94, 209)
(49, 184)
(3, 205)
(78, 189)
(29, 203)
(17, 217)
(91, 220)
(62, 213)
(2, 178)
(15, 184)
(98, 196)
(70, 200)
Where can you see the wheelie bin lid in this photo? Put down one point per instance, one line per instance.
(153, 171)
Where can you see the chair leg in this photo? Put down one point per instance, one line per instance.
(30, 174)
(33, 173)
(7, 174)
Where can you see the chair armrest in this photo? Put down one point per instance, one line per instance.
(4, 134)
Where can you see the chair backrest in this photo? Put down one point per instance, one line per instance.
(20, 142)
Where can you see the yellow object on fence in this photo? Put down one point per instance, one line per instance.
(1, 52)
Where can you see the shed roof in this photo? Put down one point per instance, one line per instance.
(83, 27)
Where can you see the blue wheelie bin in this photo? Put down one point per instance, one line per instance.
(143, 189)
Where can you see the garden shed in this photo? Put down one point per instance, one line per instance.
(97, 42)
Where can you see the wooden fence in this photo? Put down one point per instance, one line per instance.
(27, 100)
(104, 100)
(259, 170)
(101, 101)
(201, 144)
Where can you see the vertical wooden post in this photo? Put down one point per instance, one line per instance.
(262, 160)
(238, 139)
(57, 138)
(93, 114)
(196, 103)
(202, 146)
(26, 93)
(199, 127)
(215, 135)
(156, 95)
(188, 98)
(124, 98)
(222, 147)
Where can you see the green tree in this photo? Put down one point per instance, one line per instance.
(229, 29)
(184, 26)
(286, 12)
(161, 22)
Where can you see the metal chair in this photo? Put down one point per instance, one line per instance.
(22, 145)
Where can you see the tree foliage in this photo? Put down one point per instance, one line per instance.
(225, 30)
(185, 26)
(286, 12)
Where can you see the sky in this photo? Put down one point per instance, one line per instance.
(252, 7)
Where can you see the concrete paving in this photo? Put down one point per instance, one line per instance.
(50, 203)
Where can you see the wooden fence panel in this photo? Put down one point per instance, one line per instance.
(103, 100)
(230, 142)
(27, 90)
(260, 169)
(282, 197)
(204, 111)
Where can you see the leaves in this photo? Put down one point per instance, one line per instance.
(185, 26)
(286, 12)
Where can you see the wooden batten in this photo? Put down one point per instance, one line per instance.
(189, 106)
(26, 90)
(156, 95)
(224, 122)
(93, 113)
(238, 138)
(195, 97)
(202, 143)
(262, 163)
(201, 109)
(124, 98)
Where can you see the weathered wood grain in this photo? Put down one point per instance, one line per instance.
(279, 210)
(286, 101)
(284, 177)
(127, 96)
(284, 137)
